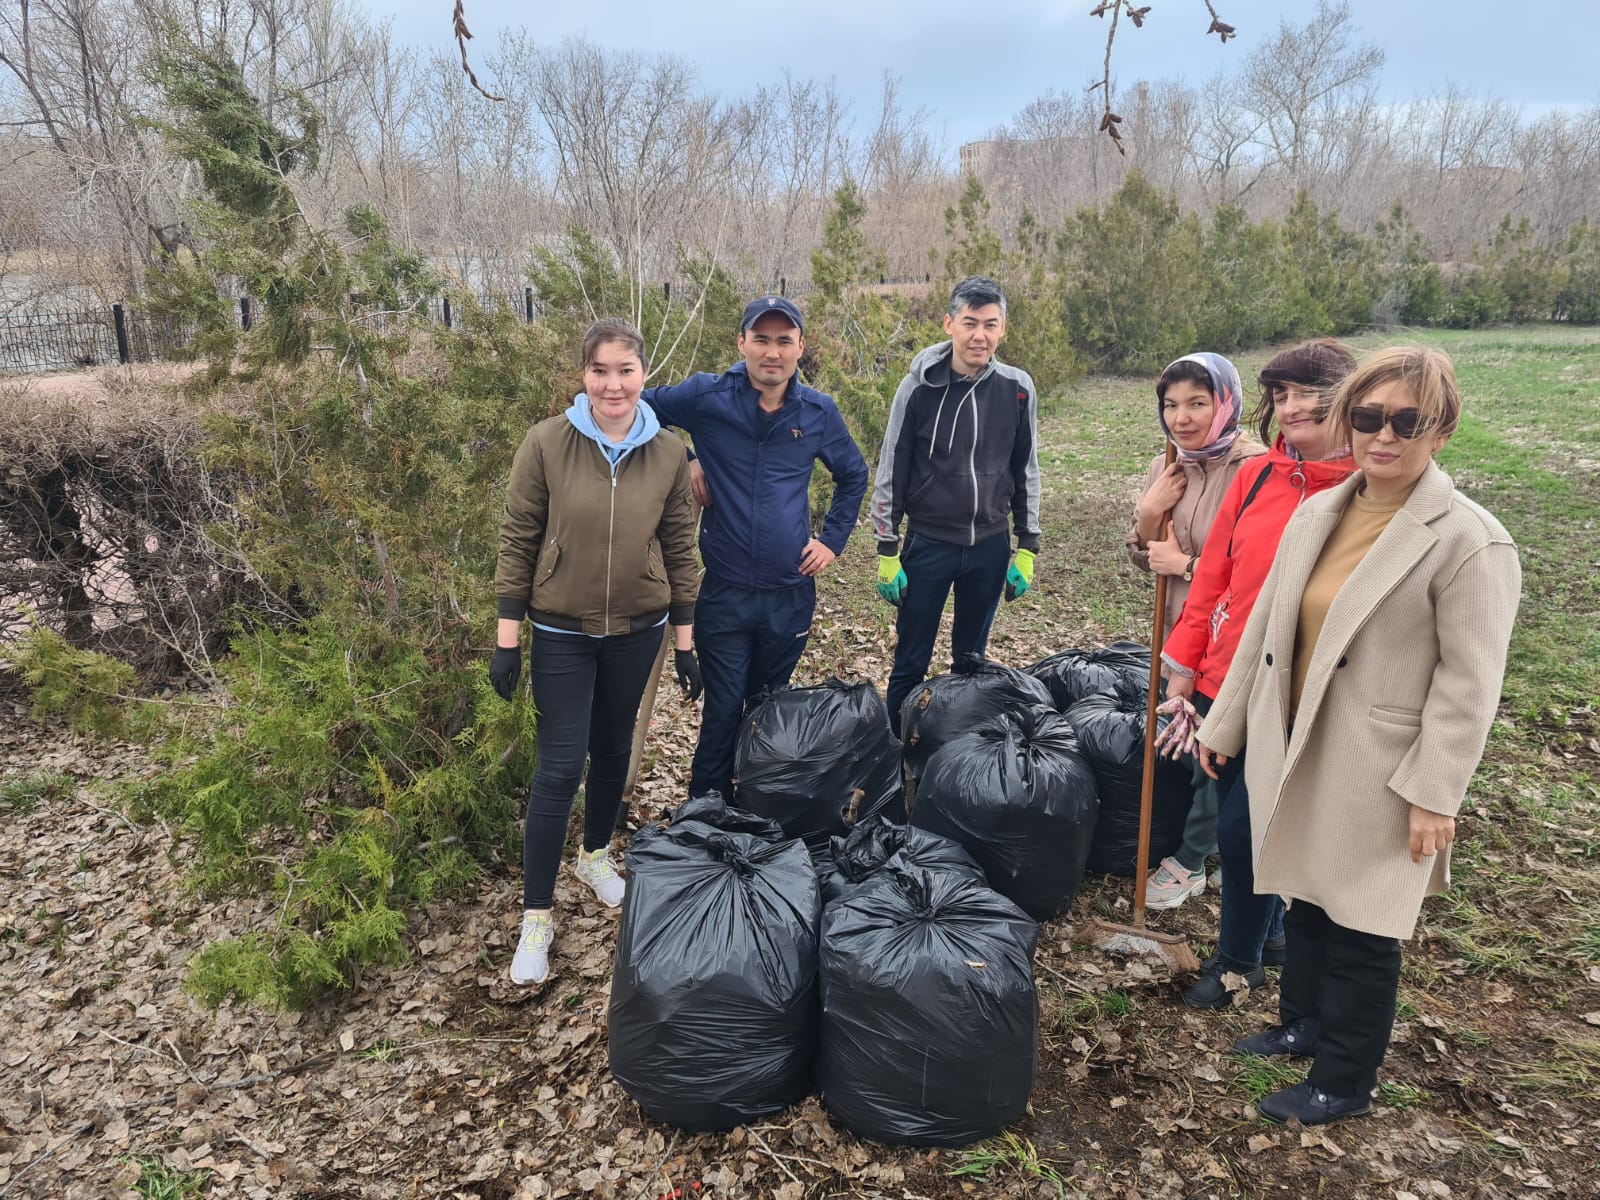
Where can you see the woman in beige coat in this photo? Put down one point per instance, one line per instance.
(1365, 683)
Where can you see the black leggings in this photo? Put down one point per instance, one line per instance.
(587, 691)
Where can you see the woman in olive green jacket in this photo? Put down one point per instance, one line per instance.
(597, 549)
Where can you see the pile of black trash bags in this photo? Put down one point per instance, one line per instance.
(898, 985)
(812, 938)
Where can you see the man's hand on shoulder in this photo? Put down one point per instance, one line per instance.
(815, 558)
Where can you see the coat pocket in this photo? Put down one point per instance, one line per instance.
(549, 555)
(1411, 718)
(653, 564)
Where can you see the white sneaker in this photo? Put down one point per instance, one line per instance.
(1172, 884)
(595, 869)
(531, 963)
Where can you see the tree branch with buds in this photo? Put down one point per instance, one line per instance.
(463, 36)
(1109, 120)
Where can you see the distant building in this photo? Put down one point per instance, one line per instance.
(998, 158)
(975, 157)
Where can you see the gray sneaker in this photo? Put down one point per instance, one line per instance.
(594, 868)
(1172, 884)
(531, 963)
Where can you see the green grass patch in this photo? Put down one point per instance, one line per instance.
(1571, 1069)
(1258, 1077)
(160, 1180)
(1401, 1095)
(1085, 1012)
(18, 797)
(1010, 1157)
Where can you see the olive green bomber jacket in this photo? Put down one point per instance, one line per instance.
(592, 549)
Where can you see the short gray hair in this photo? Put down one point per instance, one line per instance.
(977, 291)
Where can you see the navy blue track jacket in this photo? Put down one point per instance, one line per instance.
(760, 516)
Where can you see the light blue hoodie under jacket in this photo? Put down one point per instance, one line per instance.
(645, 427)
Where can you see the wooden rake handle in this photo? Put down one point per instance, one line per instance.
(1147, 778)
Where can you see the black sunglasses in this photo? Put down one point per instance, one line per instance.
(1407, 423)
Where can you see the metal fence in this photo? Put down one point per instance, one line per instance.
(33, 342)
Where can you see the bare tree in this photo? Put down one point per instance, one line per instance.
(1302, 83)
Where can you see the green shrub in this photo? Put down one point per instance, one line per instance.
(1133, 271)
(859, 341)
(1578, 297)
(89, 689)
(1475, 300)
(1414, 292)
(1527, 275)
(1037, 339)
(692, 329)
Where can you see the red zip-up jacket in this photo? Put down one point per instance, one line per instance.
(1237, 555)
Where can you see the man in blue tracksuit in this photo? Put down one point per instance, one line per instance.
(960, 464)
(757, 431)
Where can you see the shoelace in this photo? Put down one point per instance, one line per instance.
(599, 865)
(535, 935)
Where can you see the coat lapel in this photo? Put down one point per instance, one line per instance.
(1393, 556)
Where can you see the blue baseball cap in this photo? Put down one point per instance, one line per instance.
(763, 305)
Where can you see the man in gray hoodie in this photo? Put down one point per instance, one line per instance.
(960, 463)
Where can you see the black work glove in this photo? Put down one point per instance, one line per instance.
(688, 667)
(505, 668)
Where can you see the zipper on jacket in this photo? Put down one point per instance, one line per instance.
(755, 485)
(972, 466)
(937, 413)
(972, 454)
(611, 537)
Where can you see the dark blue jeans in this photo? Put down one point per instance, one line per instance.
(977, 574)
(1248, 920)
(748, 641)
(587, 691)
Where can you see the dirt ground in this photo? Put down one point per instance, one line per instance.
(440, 1079)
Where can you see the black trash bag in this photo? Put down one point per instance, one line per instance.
(818, 759)
(948, 706)
(1110, 730)
(930, 1020)
(1021, 798)
(878, 844)
(713, 1017)
(1074, 675)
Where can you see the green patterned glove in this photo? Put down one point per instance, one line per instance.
(891, 579)
(1020, 577)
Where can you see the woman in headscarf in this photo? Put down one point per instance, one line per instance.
(1199, 402)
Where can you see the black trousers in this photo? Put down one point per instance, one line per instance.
(1343, 983)
(587, 691)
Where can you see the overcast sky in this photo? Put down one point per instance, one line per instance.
(975, 63)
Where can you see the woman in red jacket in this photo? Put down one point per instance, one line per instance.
(1309, 456)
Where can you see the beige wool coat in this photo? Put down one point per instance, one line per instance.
(1402, 688)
